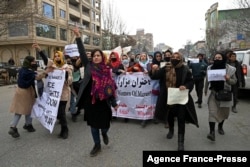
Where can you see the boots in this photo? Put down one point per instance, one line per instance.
(220, 128)
(29, 128)
(13, 132)
(64, 132)
(96, 149)
(211, 136)
(180, 142)
(105, 138)
(170, 133)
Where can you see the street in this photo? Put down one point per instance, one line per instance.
(127, 140)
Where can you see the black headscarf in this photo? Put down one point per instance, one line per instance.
(154, 61)
(218, 85)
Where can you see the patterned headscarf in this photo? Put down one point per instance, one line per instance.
(103, 85)
(61, 57)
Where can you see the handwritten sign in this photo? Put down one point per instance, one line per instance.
(193, 60)
(216, 75)
(177, 96)
(138, 87)
(71, 50)
(46, 107)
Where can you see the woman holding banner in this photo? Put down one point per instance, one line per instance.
(58, 62)
(219, 110)
(176, 76)
(96, 94)
(25, 95)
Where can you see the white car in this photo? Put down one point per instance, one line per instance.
(243, 56)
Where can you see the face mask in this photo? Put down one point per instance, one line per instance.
(132, 60)
(175, 62)
(218, 62)
(125, 62)
(167, 59)
(34, 67)
(90, 58)
(113, 59)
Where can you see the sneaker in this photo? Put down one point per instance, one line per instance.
(13, 132)
(105, 139)
(29, 128)
(96, 149)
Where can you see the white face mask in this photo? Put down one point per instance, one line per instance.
(125, 62)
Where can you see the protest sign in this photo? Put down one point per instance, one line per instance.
(46, 107)
(71, 50)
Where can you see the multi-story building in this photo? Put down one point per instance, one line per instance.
(49, 24)
(227, 29)
(144, 43)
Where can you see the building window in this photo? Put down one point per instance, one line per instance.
(48, 10)
(93, 27)
(19, 28)
(86, 39)
(44, 30)
(96, 41)
(63, 34)
(62, 13)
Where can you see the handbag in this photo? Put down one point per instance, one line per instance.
(223, 95)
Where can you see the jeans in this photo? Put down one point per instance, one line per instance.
(96, 134)
(72, 107)
(14, 122)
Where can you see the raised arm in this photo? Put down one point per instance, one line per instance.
(81, 49)
(41, 53)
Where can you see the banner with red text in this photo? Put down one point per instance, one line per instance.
(134, 95)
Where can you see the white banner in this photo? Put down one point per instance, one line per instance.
(135, 97)
(71, 50)
(45, 108)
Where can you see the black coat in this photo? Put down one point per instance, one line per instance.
(161, 109)
(97, 115)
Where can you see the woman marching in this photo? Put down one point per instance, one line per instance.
(25, 95)
(176, 75)
(96, 94)
(219, 110)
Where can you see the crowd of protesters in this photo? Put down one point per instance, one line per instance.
(89, 85)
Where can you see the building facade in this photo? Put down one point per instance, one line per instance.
(49, 24)
(145, 42)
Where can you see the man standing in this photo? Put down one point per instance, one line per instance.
(240, 78)
(199, 72)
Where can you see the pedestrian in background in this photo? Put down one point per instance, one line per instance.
(199, 72)
(219, 110)
(240, 79)
(25, 95)
(96, 94)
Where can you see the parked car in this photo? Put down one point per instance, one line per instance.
(243, 56)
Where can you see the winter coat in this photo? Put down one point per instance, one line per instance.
(161, 109)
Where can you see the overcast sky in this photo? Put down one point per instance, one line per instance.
(172, 22)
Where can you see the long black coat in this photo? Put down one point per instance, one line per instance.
(161, 109)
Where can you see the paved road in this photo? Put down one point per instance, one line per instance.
(127, 140)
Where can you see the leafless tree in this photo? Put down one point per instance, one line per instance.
(14, 14)
(112, 24)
